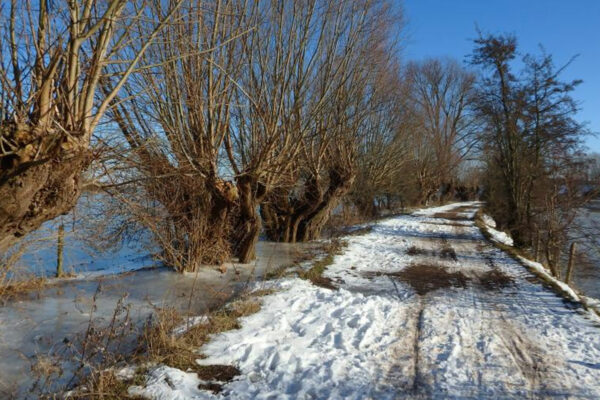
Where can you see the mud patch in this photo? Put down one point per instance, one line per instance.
(448, 253)
(216, 373)
(425, 278)
(324, 282)
(495, 280)
(417, 251)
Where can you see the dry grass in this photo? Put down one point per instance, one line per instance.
(106, 385)
(425, 278)
(14, 278)
(11, 288)
(279, 272)
(160, 344)
(315, 273)
(448, 253)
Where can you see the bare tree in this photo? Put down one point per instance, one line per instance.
(54, 55)
(175, 120)
(345, 86)
(440, 93)
(531, 144)
(383, 150)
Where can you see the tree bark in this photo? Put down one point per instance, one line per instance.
(34, 192)
(251, 193)
(305, 221)
(198, 213)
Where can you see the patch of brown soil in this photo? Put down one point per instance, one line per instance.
(448, 253)
(221, 373)
(495, 280)
(324, 282)
(425, 278)
(416, 251)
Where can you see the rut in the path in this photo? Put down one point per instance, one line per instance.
(418, 379)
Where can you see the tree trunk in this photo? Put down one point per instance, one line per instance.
(251, 194)
(60, 244)
(276, 213)
(196, 229)
(35, 192)
(366, 207)
(306, 219)
(340, 182)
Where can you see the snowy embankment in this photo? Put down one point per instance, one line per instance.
(426, 307)
(539, 269)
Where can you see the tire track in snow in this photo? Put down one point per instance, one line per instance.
(418, 331)
(536, 365)
(404, 326)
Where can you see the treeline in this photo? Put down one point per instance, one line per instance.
(536, 174)
(211, 122)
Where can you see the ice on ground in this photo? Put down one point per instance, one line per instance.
(496, 332)
(189, 323)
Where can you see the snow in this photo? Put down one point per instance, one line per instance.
(289, 349)
(182, 385)
(489, 221)
(539, 268)
(378, 338)
(428, 212)
(497, 236)
(125, 373)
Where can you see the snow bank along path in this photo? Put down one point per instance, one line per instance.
(426, 308)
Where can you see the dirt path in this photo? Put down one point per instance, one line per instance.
(480, 326)
(425, 308)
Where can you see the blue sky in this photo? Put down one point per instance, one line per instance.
(565, 28)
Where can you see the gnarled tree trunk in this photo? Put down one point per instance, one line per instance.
(58, 56)
(38, 183)
(247, 229)
(340, 182)
(304, 220)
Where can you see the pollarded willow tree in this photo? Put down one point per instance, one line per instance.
(54, 56)
(175, 118)
(238, 90)
(357, 35)
(280, 57)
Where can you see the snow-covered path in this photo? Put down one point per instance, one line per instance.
(426, 308)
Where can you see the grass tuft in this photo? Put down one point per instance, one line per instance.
(315, 273)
